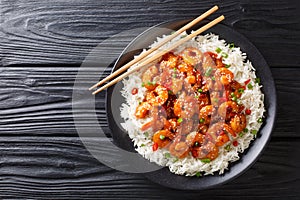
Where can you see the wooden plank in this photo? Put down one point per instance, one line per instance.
(43, 32)
(55, 168)
(38, 101)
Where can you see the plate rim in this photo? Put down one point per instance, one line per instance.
(271, 86)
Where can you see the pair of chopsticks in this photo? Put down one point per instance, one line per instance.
(159, 54)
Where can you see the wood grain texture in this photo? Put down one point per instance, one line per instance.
(42, 45)
(64, 169)
(65, 31)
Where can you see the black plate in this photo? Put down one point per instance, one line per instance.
(248, 158)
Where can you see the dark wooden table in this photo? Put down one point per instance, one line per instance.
(43, 44)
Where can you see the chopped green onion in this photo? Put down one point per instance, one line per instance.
(257, 80)
(245, 130)
(227, 65)
(167, 155)
(232, 94)
(140, 103)
(260, 120)
(174, 75)
(170, 92)
(162, 137)
(196, 96)
(196, 144)
(200, 90)
(208, 71)
(175, 160)
(254, 132)
(227, 147)
(231, 45)
(182, 36)
(142, 145)
(225, 55)
(234, 98)
(198, 174)
(143, 84)
(146, 134)
(241, 134)
(213, 78)
(250, 86)
(205, 160)
(179, 120)
(241, 90)
(174, 69)
(202, 120)
(218, 50)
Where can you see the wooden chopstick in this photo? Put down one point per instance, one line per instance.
(164, 41)
(159, 54)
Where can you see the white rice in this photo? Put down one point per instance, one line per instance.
(189, 166)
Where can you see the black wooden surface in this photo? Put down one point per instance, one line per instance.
(43, 44)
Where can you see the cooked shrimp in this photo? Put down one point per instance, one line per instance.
(176, 85)
(224, 75)
(202, 128)
(184, 67)
(209, 150)
(238, 123)
(185, 107)
(171, 124)
(194, 139)
(216, 129)
(142, 110)
(186, 126)
(207, 84)
(208, 62)
(213, 154)
(148, 76)
(169, 60)
(158, 96)
(205, 114)
(192, 56)
(222, 139)
(236, 88)
(227, 107)
(162, 138)
(179, 149)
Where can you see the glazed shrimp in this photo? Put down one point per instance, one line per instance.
(158, 96)
(171, 124)
(209, 150)
(217, 129)
(148, 76)
(213, 154)
(194, 139)
(236, 88)
(224, 75)
(142, 110)
(185, 107)
(205, 114)
(238, 123)
(179, 149)
(184, 67)
(208, 62)
(222, 139)
(192, 56)
(162, 138)
(226, 108)
(169, 60)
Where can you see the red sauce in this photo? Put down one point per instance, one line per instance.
(199, 99)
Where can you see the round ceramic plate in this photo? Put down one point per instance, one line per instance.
(164, 176)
